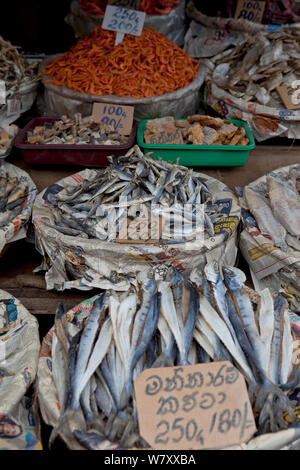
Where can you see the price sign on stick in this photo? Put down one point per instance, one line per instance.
(120, 117)
(203, 406)
(251, 11)
(123, 21)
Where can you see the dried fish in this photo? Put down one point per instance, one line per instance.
(199, 130)
(77, 131)
(15, 69)
(252, 69)
(136, 187)
(182, 319)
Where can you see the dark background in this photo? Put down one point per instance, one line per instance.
(37, 26)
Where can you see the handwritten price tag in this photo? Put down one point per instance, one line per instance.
(164, 138)
(251, 11)
(204, 406)
(13, 105)
(289, 96)
(123, 20)
(120, 117)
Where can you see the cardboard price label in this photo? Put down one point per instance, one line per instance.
(123, 20)
(13, 105)
(289, 96)
(120, 117)
(164, 138)
(203, 406)
(132, 4)
(251, 11)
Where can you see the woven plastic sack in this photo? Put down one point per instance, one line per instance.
(179, 103)
(16, 229)
(18, 102)
(19, 350)
(171, 25)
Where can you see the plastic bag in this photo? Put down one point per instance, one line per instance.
(264, 121)
(19, 102)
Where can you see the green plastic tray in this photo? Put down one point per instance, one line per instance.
(200, 155)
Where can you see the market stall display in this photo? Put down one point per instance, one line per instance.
(270, 239)
(89, 212)
(246, 64)
(198, 130)
(17, 194)
(215, 142)
(148, 72)
(174, 319)
(64, 146)
(19, 351)
(153, 243)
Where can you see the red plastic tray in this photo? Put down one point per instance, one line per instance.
(65, 154)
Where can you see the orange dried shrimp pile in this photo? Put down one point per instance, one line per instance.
(141, 66)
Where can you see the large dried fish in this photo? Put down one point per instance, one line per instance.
(253, 69)
(182, 319)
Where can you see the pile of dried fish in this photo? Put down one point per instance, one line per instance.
(276, 207)
(15, 69)
(99, 207)
(256, 66)
(271, 217)
(7, 134)
(75, 131)
(13, 194)
(178, 319)
(196, 130)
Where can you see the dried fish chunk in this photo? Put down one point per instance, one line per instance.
(75, 131)
(210, 135)
(215, 123)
